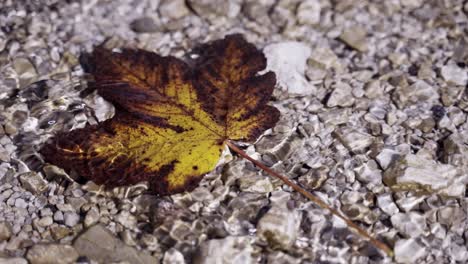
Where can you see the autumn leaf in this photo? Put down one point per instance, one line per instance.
(172, 120)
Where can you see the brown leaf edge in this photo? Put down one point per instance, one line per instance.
(353, 226)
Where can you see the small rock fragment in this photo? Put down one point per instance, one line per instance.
(51, 253)
(33, 182)
(353, 139)
(386, 157)
(341, 96)
(71, 218)
(355, 37)
(59, 232)
(214, 9)
(410, 224)
(92, 217)
(26, 71)
(454, 74)
(173, 9)
(15, 260)
(173, 256)
(236, 250)
(386, 203)
(408, 250)
(5, 231)
(100, 245)
(308, 12)
(369, 172)
(279, 226)
(411, 3)
(288, 60)
(324, 58)
(415, 173)
(144, 25)
(419, 92)
(126, 219)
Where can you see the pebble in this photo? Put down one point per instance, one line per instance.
(45, 221)
(5, 231)
(279, 227)
(289, 61)
(408, 250)
(308, 12)
(454, 74)
(417, 93)
(58, 216)
(71, 219)
(144, 25)
(21, 203)
(33, 182)
(416, 173)
(235, 250)
(353, 139)
(341, 96)
(51, 253)
(355, 37)
(173, 256)
(215, 10)
(386, 203)
(98, 244)
(409, 224)
(92, 217)
(324, 58)
(13, 260)
(173, 9)
(26, 71)
(126, 219)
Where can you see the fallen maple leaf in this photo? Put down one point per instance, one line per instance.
(173, 120)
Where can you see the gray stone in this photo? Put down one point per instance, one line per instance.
(325, 58)
(173, 9)
(386, 204)
(21, 203)
(13, 260)
(173, 256)
(51, 253)
(279, 226)
(71, 218)
(410, 224)
(454, 74)
(92, 217)
(353, 139)
(5, 231)
(416, 173)
(341, 96)
(126, 219)
(144, 25)
(355, 37)
(98, 244)
(419, 92)
(411, 3)
(386, 157)
(288, 60)
(214, 9)
(45, 221)
(26, 71)
(308, 12)
(369, 172)
(235, 250)
(33, 182)
(408, 251)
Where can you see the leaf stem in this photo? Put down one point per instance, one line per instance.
(314, 199)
